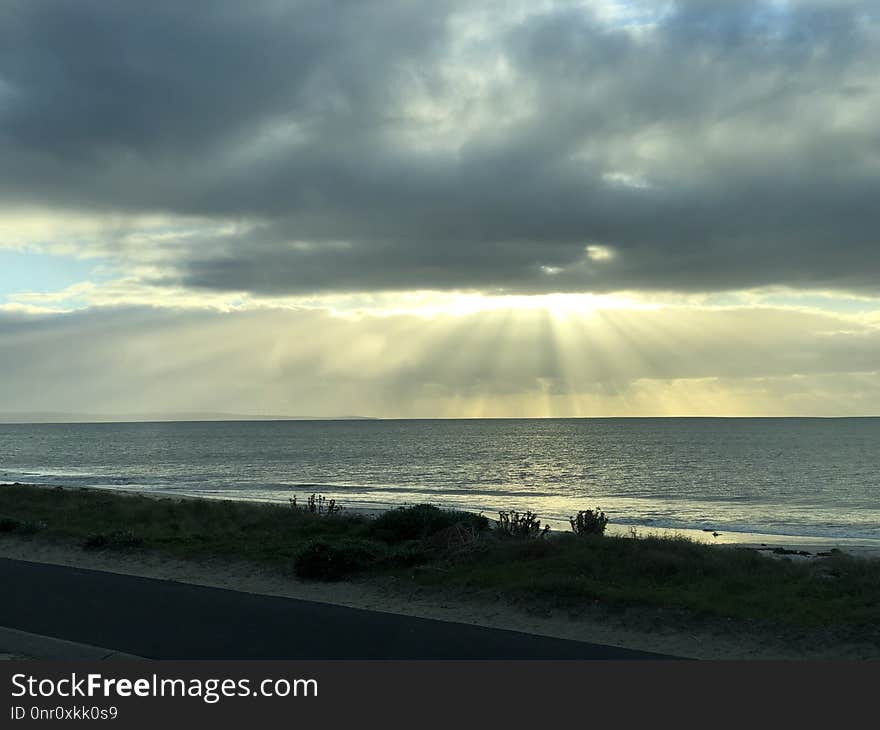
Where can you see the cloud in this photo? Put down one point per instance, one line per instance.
(501, 147)
(506, 362)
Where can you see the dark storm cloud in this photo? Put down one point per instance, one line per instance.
(379, 146)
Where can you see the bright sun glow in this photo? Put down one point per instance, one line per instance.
(431, 304)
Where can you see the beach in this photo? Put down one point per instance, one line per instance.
(704, 639)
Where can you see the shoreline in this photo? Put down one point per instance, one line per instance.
(794, 545)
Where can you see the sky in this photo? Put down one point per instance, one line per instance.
(449, 209)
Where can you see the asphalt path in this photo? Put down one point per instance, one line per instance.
(162, 619)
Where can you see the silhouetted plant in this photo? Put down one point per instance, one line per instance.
(589, 522)
(317, 504)
(520, 524)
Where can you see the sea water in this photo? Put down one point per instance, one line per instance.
(775, 476)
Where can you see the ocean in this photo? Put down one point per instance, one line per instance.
(812, 478)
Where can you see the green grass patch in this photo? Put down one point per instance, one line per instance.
(99, 519)
(676, 573)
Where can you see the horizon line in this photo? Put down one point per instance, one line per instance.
(92, 419)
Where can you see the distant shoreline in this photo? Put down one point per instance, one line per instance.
(93, 419)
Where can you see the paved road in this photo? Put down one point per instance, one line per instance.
(167, 620)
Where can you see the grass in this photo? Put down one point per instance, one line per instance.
(454, 552)
(678, 574)
(185, 528)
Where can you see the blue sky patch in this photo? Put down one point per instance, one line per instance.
(27, 271)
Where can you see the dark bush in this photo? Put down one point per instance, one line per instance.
(119, 540)
(588, 522)
(420, 522)
(96, 541)
(323, 561)
(407, 555)
(29, 527)
(22, 527)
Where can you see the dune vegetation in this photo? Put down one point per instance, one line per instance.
(511, 559)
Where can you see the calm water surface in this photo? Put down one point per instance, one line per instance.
(804, 477)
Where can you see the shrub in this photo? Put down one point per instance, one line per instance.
(8, 524)
(119, 540)
(408, 555)
(588, 522)
(520, 524)
(421, 522)
(22, 527)
(30, 527)
(323, 561)
(456, 544)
